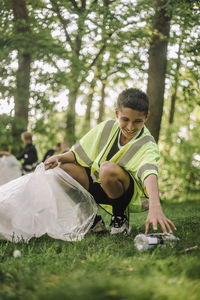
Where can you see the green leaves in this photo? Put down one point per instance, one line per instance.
(71, 42)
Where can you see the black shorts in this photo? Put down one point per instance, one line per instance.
(119, 204)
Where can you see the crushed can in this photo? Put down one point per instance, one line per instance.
(150, 241)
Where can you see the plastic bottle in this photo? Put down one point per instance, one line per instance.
(148, 242)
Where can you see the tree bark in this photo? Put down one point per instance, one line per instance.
(22, 93)
(71, 114)
(175, 85)
(157, 66)
(89, 107)
(102, 103)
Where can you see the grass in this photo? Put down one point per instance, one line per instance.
(106, 267)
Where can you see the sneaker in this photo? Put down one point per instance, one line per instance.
(120, 225)
(98, 225)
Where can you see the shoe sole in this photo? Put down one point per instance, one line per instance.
(124, 231)
(99, 228)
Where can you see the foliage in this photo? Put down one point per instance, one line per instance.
(71, 47)
(6, 132)
(179, 166)
(180, 150)
(105, 266)
(48, 131)
(73, 42)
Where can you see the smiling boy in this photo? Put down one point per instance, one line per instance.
(117, 163)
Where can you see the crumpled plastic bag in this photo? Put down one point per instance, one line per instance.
(10, 168)
(45, 202)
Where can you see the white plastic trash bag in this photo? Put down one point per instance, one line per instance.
(42, 202)
(10, 168)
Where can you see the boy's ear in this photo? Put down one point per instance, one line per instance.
(148, 114)
(116, 112)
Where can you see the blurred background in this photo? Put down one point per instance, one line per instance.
(64, 62)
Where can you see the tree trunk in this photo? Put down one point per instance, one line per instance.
(89, 106)
(70, 130)
(175, 85)
(22, 93)
(157, 66)
(102, 103)
(172, 107)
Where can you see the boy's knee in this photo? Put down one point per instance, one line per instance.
(108, 170)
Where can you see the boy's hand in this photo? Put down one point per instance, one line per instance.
(51, 162)
(6, 153)
(155, 217)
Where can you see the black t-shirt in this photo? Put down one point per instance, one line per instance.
(50, 152)
(114, 149)
(29, 155)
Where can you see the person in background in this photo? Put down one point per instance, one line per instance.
(10, 167)
(29, 155)
(64, 147)
(52, 151)
(5, 152)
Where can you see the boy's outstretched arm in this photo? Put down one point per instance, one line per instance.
(156, 215)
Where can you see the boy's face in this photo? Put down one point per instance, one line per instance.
(58, 148)
(130, 121)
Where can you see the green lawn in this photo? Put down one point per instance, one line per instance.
(107, 267)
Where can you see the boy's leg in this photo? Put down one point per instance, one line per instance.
(114, 180)
(119, 187)
(77, 172)
(116, 189)
(80, 174)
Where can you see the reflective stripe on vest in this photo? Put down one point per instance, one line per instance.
(103, 140)
(145, 168)
(81, 152)
(105, 134)
(134, 149)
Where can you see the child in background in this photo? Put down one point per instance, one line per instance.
(52, 151)
(29, 155)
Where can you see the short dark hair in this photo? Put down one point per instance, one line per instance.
(135, 99)
(27, 136)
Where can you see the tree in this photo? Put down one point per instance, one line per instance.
(87, 121)
(78, 62)
(175, 83)
(179, 143)
(22, 93)
(157, 64)
(184, 28)
(89, 28)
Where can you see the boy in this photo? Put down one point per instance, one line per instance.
(50, 152)
(29, 154)
(117, 163)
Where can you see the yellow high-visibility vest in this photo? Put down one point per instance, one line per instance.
(139, 157)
